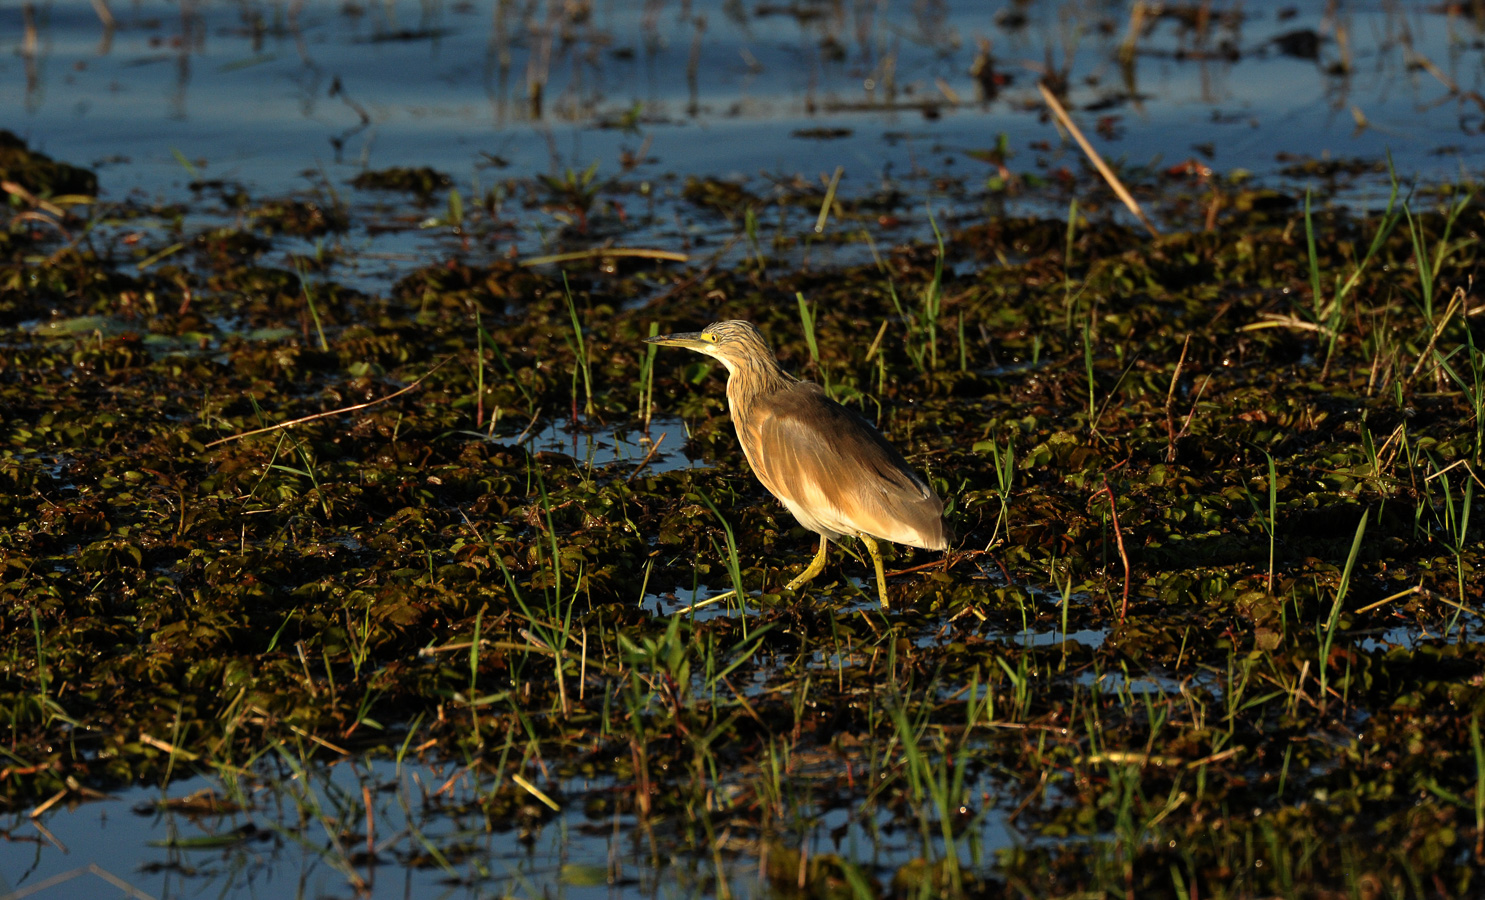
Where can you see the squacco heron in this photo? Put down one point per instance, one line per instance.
(830, 467)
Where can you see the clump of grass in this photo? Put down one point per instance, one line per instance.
(580, 349)
(647, 380)
(920, 322)
(1328, 632)
(307, 287)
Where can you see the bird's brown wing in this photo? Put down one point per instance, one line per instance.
(830, 465)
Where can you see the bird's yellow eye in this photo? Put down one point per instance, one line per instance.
(708, 337)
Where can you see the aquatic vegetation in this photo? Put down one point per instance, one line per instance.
(420, 181)
(1209, 627)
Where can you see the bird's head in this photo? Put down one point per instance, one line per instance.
(734, 342)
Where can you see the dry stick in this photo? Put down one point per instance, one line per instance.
(105, 15)
(1420, 591)
(30, 216)
(829, 200)
(1275, 320)
(56, 798)
(1371, 377)
(333, 412)
(1130, 45)
(521, 438)
(1456, 463)
(319, 740)
(642, 789)
(1170, 396)
(583, 667)
(166, 747)
(1396, 433)
(1103, 168)
(646, 461)
(1041, 786)
(1454, 302)
(876, 344)
(1408, 592)
(370, 822)
(1431, 68)
(1199, 391)
(1118, 536)
(89, 869)
(536, 792)
(701, 604)
(1213, 208)
(1459, 462)
(602, 252)
(50, 838)
(948, 562)
(16, 190)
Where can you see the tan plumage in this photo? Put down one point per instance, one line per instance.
(830, 467)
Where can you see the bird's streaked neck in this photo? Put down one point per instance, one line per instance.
(751, 379)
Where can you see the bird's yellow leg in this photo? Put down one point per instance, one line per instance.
(816, 566)
(876, 560)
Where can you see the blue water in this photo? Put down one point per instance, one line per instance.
(279, 98)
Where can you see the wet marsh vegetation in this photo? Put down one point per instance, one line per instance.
(1209, 627)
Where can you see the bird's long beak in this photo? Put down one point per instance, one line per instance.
(691, 340)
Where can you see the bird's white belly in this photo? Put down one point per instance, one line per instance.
(831, 526)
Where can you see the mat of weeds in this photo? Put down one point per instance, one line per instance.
(1209, 626)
